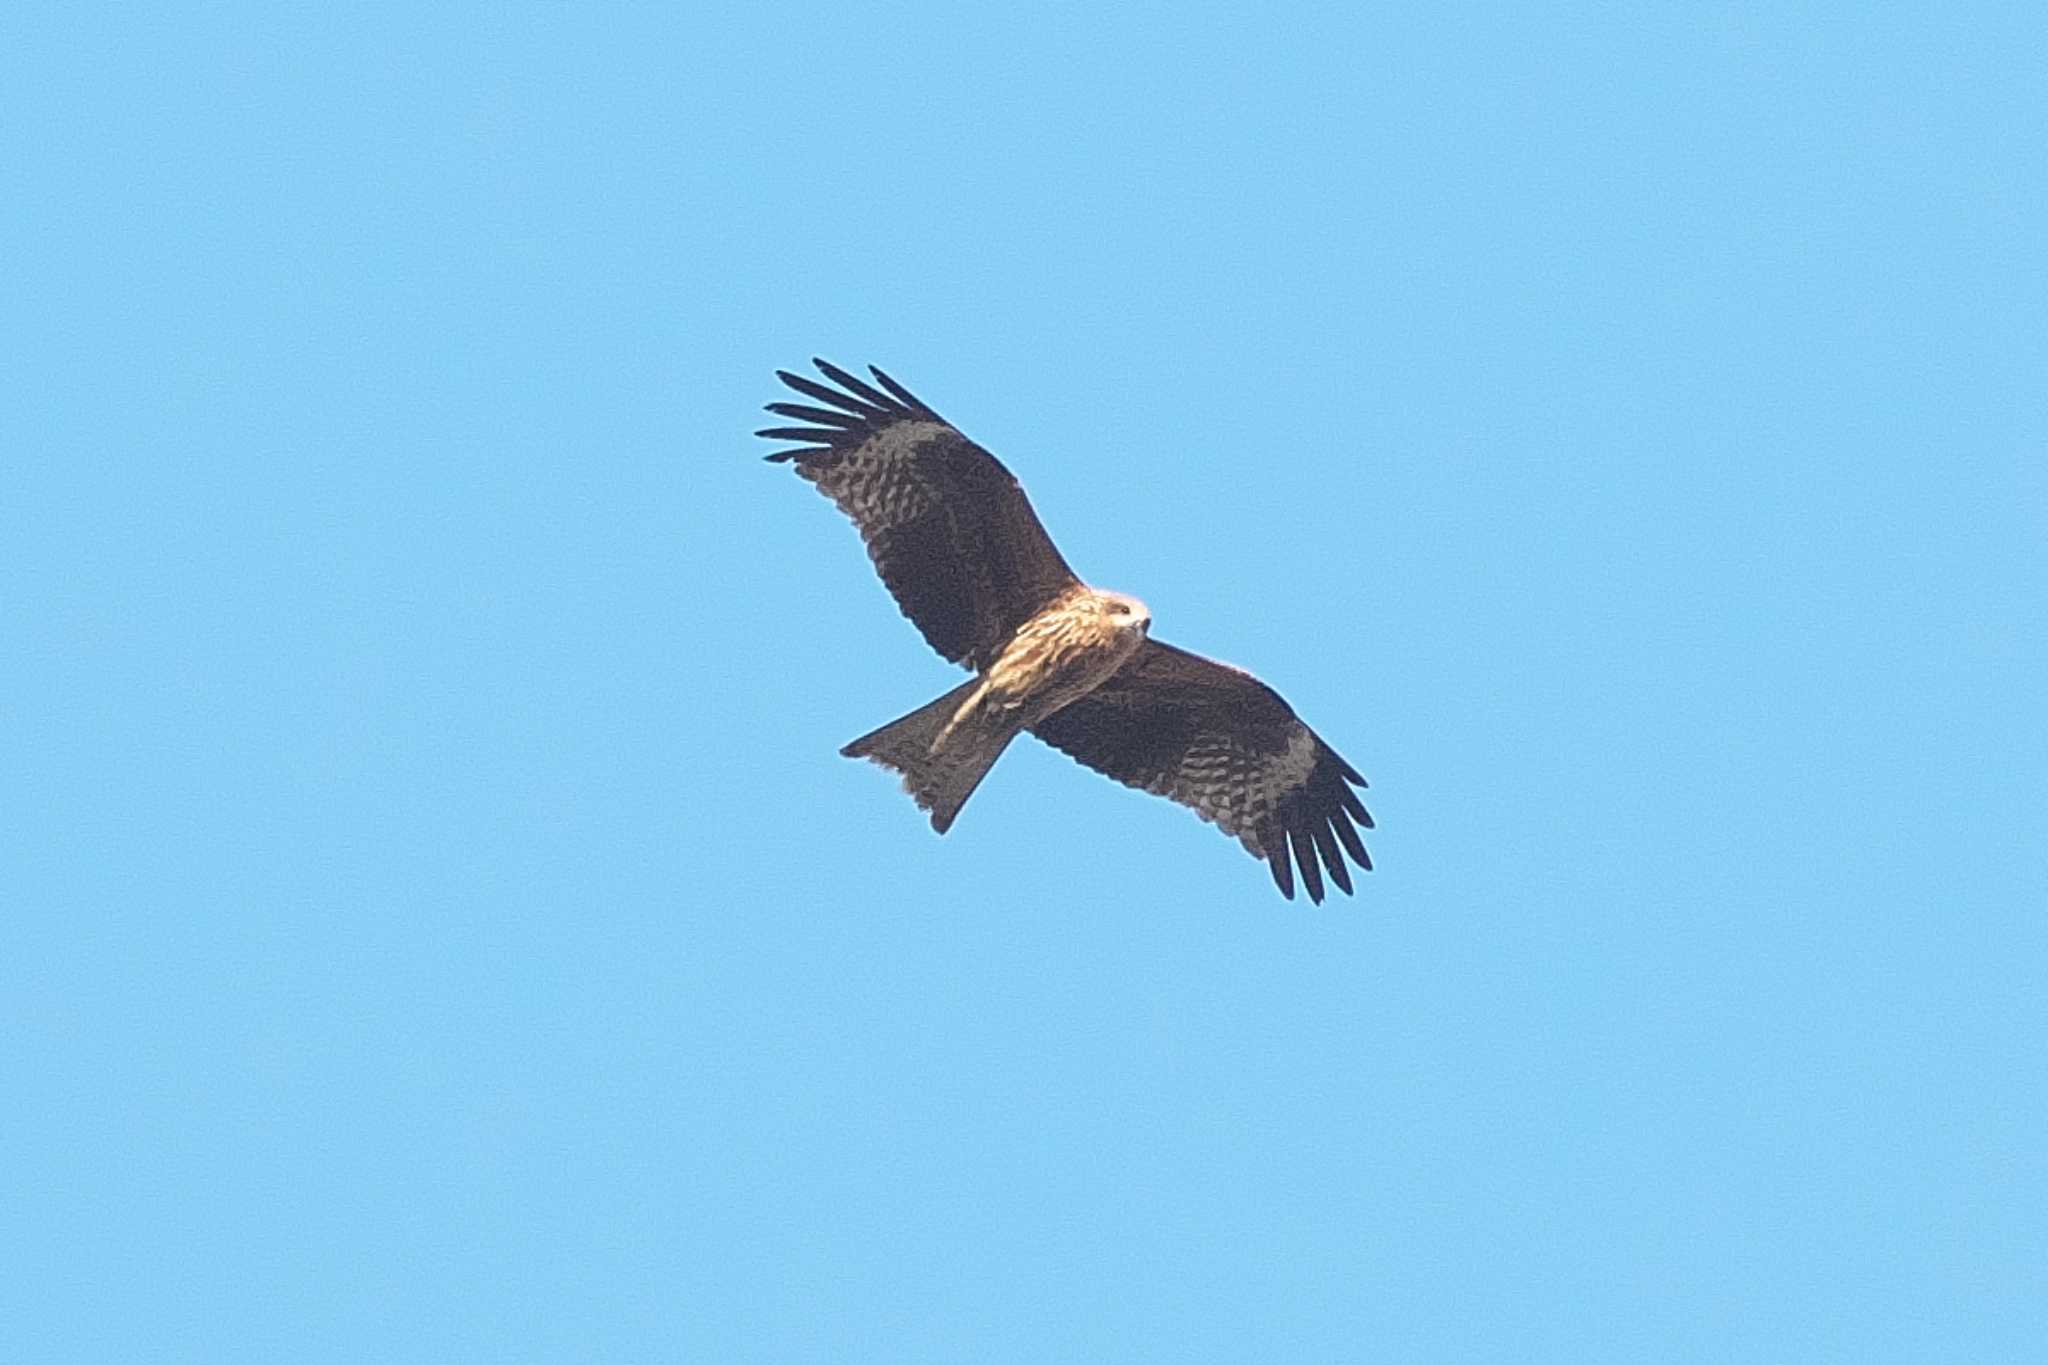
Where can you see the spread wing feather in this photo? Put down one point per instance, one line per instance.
(948, 528)
(1218, 740)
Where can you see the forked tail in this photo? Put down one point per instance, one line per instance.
(939, 779)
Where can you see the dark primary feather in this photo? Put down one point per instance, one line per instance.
(860, 388)
(1218, 740)
(827, 416)
(947, 526)
(813, 389)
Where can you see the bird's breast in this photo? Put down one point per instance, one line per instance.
(1056, 658)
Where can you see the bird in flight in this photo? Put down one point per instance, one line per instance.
(959, 547)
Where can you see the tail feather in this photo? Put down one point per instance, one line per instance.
(940, 767)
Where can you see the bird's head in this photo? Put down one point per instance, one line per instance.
(1126, 612)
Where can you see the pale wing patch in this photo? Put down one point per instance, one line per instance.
(1282, 776)
(1236, 788)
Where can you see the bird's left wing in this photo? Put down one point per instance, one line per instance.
(1216, 739)
(947, 526)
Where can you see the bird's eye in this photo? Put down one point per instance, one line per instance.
(1119, 609)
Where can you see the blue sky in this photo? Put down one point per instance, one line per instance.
(441, 928)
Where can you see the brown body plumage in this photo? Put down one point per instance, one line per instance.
(1065, 651)
(1054, 659)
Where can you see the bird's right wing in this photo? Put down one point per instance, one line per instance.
(946, 525)
(1219, 741)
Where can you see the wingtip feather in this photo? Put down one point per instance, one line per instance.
(859, 387)
(1275, 853)
(808, 435)
(1333, 857)
(1305, 856)
(903, 395)
(1348, 836)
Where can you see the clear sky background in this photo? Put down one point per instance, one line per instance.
(438, 924)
